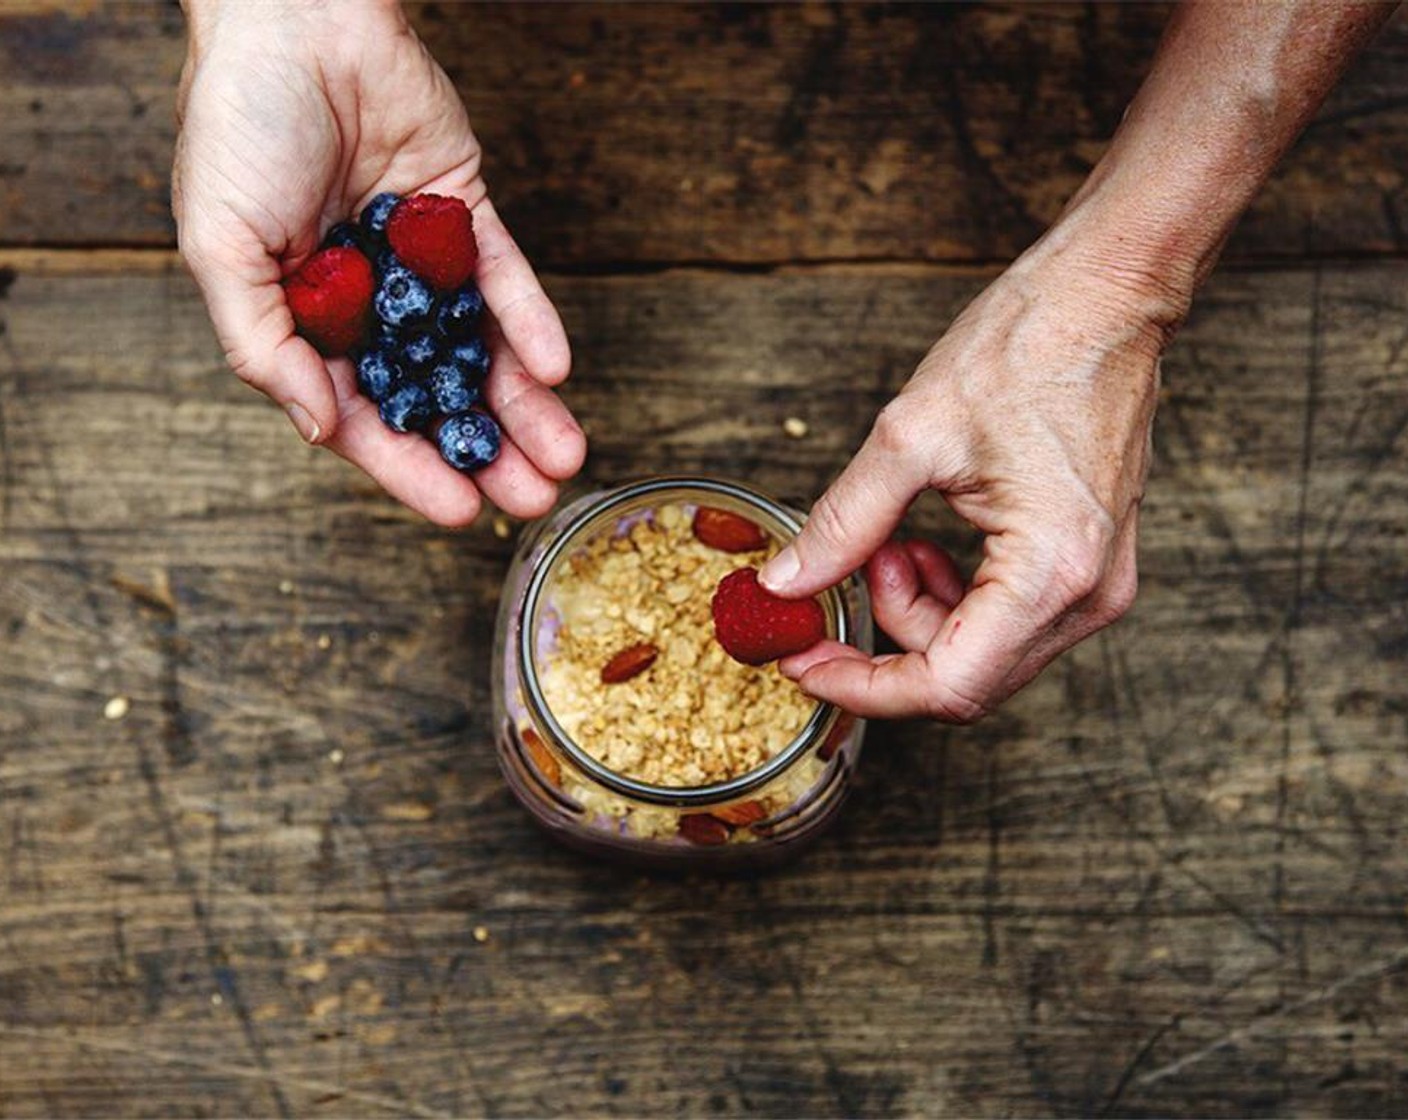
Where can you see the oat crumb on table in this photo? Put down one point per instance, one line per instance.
(694, 716)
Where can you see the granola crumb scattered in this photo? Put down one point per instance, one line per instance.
(795, 427)
(481, 934)
(694, 716)
(503, 528)
(116, 708)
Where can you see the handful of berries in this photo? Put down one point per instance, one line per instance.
(393, 291)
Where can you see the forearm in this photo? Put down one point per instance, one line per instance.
(1232, 86)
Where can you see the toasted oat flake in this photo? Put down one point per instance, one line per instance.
(697, 716)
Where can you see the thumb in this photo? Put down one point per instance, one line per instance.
(858, 513)
(252, 320)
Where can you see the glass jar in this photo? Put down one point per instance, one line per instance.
(747, 775)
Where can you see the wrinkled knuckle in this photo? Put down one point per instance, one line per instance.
(243, 367)
(953, 705)
(1075, 577)
(829, 521)
(1081, 560)
(894, 431)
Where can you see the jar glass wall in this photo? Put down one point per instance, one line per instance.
(620, 723)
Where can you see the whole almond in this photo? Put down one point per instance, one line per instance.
(727, 531)
(630, 662)
(703, 828)
(741, 813)
(544, 761)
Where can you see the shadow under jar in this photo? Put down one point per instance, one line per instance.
(622, 726)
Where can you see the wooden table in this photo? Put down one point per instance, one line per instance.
(1169, 878)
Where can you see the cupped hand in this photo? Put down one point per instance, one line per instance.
(293, 116)
(1032, 418)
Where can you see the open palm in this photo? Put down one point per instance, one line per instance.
(293, 119)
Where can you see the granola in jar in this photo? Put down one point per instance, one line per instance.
(624, 723)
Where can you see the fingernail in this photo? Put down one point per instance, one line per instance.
(781, 570)
(303, 421)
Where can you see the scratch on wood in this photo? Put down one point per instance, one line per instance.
(1257, 1026)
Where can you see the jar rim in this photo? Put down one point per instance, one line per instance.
(819, 723)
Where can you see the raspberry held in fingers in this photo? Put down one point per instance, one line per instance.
(755, 626)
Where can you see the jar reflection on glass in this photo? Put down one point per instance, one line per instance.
(753, 789)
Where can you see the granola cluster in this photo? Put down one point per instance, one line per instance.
(689, 715)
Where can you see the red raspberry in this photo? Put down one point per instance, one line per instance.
(331, 298)
(754, 626)
(434, 236)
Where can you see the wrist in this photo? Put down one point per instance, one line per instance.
(1114, 260)
(204, 17)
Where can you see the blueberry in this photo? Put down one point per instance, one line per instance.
(387, 337)
(408, 408)
(377, 374)
(402, 297)
(454, 387)
(344, 235)
(469, 440)
(459, 312)
(474, 355)
(375, 213)
(385, 261)
(419, 351)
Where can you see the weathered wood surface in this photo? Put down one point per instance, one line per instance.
(649, 133)
(1170, 878)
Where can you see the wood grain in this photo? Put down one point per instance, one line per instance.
(652, 134)
(1168, 879)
